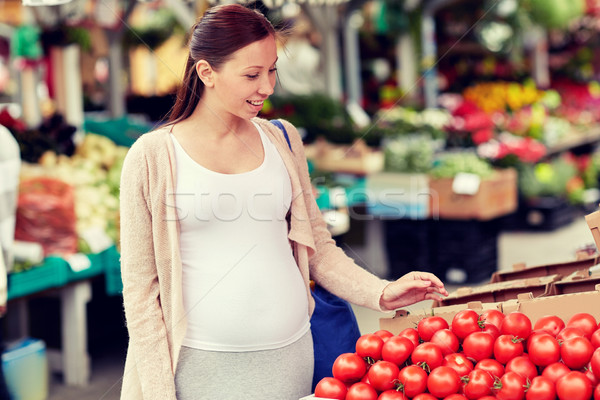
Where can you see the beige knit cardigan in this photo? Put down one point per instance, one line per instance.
(151, 264)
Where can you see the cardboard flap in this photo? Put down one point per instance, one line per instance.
(519, 266)
(401, 313)
(532, 281)
(463, 291)
(475, 305)
(524, 296)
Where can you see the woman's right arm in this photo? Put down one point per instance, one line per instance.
(141, 298)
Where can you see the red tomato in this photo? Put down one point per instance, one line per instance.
(576, 352)
(384, 334)
(429, 325)
(523, 366)
(478, 346)
(477, 384)
(595, 340)
(550, 323)
(455, 396)
(595, 363)
(397, 349)
(464, 323)
(507, 347)
(412, 334)
(597, 392)
(331, 388)
(458, 362)
(491, 329)
(413, 380)
(382, 375)
(555, 371)
(574, 386)
(392, 395)
(424, 396)
(428, 355)
(543, 349)
(541, 388)
(511, 386)
(568, 333)
(361, 391)
(349, 367)
(584, 321)
(443, 381)
(517, 324)
(492, 366)
(587, 371)
(369, 346)
(447, 341)
(492, 316)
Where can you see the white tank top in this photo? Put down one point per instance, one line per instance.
(242, 289)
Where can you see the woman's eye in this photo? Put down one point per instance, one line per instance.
(273, 70)
(252, 76)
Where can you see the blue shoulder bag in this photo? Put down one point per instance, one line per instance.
(333, 324)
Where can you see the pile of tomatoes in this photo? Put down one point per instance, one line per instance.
(487, 355)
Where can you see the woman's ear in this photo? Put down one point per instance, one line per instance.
(205, 72)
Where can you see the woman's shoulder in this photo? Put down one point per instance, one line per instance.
(152, 141)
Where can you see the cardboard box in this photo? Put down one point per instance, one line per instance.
(521, 271)
(403, 319)
(563, 306)
(356, 159)
(577, 282)
(500, 291)
(497, 196)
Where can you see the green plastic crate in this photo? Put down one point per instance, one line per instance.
(53, 273)
(112, 272)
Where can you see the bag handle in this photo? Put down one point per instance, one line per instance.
(279, 124)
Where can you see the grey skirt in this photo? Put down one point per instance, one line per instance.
(280, 374)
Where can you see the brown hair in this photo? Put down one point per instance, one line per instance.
(220, 32)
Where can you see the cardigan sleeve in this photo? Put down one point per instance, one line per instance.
(147, 331)
(329, 265)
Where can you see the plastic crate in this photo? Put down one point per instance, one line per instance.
(53, 273)
(112, 272)
(25, 367)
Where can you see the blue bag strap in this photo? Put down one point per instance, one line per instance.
(279, 124)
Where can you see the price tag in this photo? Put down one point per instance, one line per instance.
(78, 262)
(97, 239)
(466, 183)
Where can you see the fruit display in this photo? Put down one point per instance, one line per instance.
(478, 354)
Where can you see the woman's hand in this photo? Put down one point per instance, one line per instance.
(411, 288)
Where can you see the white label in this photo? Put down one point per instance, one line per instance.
(78, 262)
(466, 183)
(97, 239)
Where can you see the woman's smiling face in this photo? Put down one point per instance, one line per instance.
(246, 80)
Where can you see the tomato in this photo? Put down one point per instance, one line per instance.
(507, 347)
(458, 362)
(541, 388)
(455, 396)
(584, 321)
(392, 395)
(523, 366)
(517, 324)
(478, 346)
(412, 334)
(555, 370)
(597, 392)
(384, 334)
(595, 363)
(568, 333)
(447, 341)
(574, 386)
(349, 367)
(587, 371)
(491, 329)
(382, 375)
(361, 391)
(369, 346)
(576, 352)
(424, 396)
(443, 381)
(429, 325)
(465, 322)
(550, 323)
(543, 349)
(397, 349)
(492, 316)
(331, 388)
(477, 384)
(511, 386)
(595, 339)
(428, 355)
(492, 366)
(413, 380)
